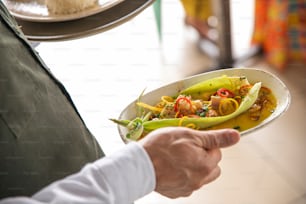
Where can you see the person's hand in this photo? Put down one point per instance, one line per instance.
(186, 159)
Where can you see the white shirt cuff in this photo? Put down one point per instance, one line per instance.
(130, 173)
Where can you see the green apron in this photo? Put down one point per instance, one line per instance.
(42, 136)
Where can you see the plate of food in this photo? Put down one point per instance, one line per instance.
(57, 10)
(245, 99)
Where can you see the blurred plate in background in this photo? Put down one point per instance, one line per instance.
(37, 11)
(83, 27)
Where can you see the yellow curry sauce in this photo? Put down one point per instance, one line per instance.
(244, 121)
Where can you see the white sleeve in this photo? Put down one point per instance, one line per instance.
(120, 178)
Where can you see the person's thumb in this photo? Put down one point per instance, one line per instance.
(219, 138)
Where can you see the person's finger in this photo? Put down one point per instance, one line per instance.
(219, 138)
(213, 158)
(214, 174)
(208, 161)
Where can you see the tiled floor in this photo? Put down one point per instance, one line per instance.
(105, 72)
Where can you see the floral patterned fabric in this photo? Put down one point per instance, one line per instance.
(280, 28)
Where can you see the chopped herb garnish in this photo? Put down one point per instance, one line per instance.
(237, 127)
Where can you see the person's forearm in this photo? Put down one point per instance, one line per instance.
(117, 179)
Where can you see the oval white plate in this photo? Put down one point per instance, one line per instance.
(37, 11)
(269, 80)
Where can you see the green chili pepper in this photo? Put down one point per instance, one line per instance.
(212, 85)
(135, 126)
